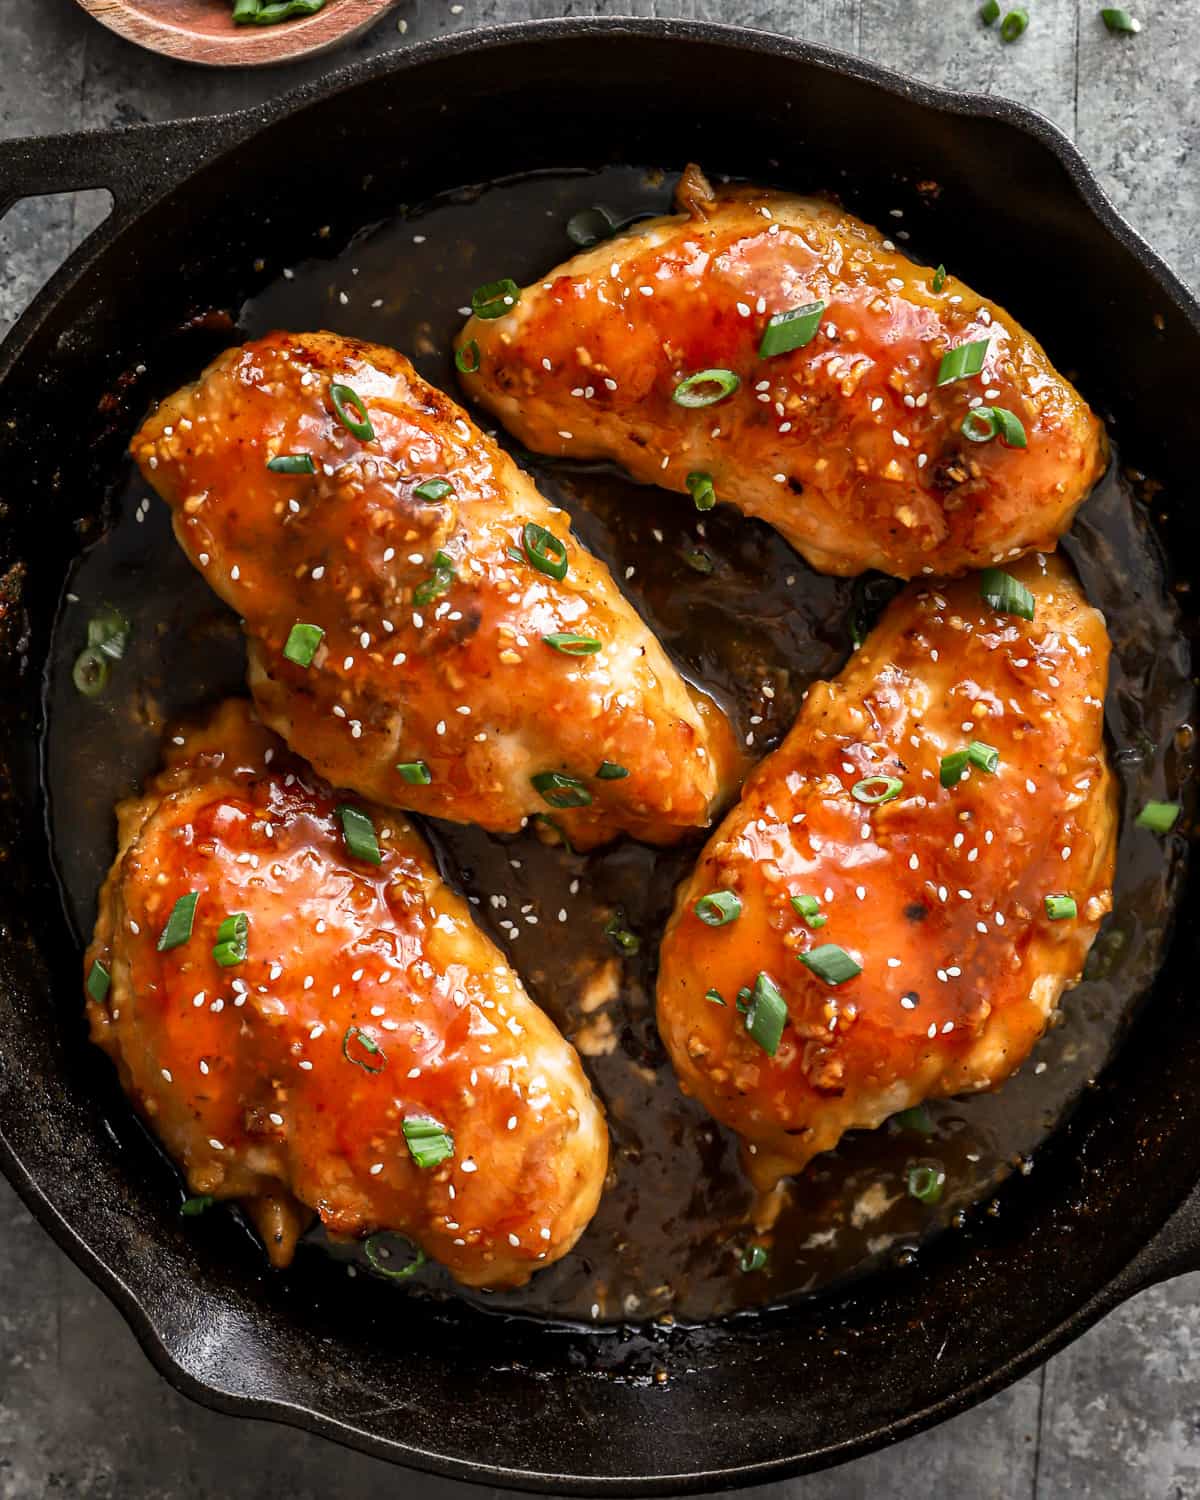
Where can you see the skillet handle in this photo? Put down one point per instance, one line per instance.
(135, 163)
(1173, 1251)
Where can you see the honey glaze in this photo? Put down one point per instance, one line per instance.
(748, 621)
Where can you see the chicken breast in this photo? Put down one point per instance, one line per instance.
(422, 626)
(359, 1050)
(910, 881)
(654, 349)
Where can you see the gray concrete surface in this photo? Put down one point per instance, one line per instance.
(1116, 1416)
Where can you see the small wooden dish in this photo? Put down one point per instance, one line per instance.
(202, 31)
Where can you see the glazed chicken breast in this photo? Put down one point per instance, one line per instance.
(422, 626)
(778, 353)
(910, 881)
(311, 1022)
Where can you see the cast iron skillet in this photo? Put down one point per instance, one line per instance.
(1113, 1204)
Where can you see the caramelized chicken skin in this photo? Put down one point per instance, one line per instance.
(938, 893)
(368, 1009)
(432, 566)
(847, 444)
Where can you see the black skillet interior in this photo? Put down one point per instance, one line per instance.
(448, 1388)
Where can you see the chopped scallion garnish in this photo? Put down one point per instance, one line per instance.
(700, 488)
(90, 672)
(1005, 594)
(1013, 25)
(1060, 908)
(561, 790)
(875, 790)
(1159, 817)
(415, 772)
(109, 632)
(962, 362)
(179, 923)
(619, 933)
(292, 463)
(359, 834)
(705, 388)
(831, 963)
(718, 908)
(544, 551)
(982, 423)
(926, 1183)
(939, 276)
(609, 770)
(466, 359)
(714, 997)
(917, 1118)
(1120, 20)
(433, 489)
(698, 560)
(809, 909)
(754, 1258)
(302, 642)
(98, 981)
(438, 582)
(428, 1141)
(377, 1254)
(346, 401)
(990, 12)
(985, 757)
(494, 298)
(791, 330)
(371, 1057)
(571, 644)
(233, 937)
(766, 1014)
(191, 1208)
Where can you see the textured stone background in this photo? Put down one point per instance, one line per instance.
(1116, 1416)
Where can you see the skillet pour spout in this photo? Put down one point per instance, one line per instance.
(430, 1382)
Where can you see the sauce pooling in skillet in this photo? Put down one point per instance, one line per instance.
(746, 618)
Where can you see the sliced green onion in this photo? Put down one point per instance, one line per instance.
(754, 1258)
(428, 1141)
(359, 834)
(467, 359)
(561, 790)
(982, 423)
(546, 821)
(377, 1256)
(438, 582)
(616, 930)
(609, 770)
(589, 226)
(179, 923)
(190, 1208)
(109, 632)
(791, 330)
(939, 276)
(494, 298)
(1159, 817)
(951, 769)
(990, 12)
(302, 642)
(875, 790)
(699, 561)
(1005, 594)
(433, 489)
(714, 997)
(571, 644)
(744, 996)
(415, 772)
(926, 1183)
(1013, 25)
(544, 551)
(346, 401)
(233, 937)
(705, 388)
(962, 362)
(766, 1015)
(809, 909)
(1060, 908)
(917, 1118)
(90, 672)
(374, 1052)
(98, 981)
(984, 756)
(830, 963)
(245, 11)
(718, 908)
(292, 463)
(1120, 20)
(700, 488)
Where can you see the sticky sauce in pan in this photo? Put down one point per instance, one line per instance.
(740, 612)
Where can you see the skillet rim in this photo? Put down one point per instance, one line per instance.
(1167, 1252)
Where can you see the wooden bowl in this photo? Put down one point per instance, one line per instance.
(202, 31)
